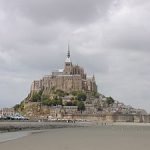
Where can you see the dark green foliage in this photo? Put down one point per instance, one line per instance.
(44, 97)
(16, 107)
(46, 102)
(58, 101)
(74, 102)
(36, 97)
(55, 102)
(110, 100)
(60, 93)
(40, 92)
(22, 106)
(69, 104)
(81, 106)
(52, 102)
(95, 94)
(81, 96)
(19, 107)
(75, 93)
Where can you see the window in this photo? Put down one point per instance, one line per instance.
(67, 64)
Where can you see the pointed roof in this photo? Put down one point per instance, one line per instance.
(68, 55)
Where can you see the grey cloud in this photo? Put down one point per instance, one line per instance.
(129, 38)
(108, 38)
(129, 28)
(92, 63)
(53, 10)
(11, 92)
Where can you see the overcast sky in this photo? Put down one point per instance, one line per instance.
(109, 38)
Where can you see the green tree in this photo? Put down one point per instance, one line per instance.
(41, 92)
(81, 96)
(16, 107)
(74, 102)
(44, 97)
(19, 107)
(36, 97)
(81, 106)
(60, 93)
(59, 101)
(95, 94)
(69, 104)
(75, 93)
(46, 102)
(110, 100)
(22, 106)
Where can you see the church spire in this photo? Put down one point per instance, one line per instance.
(68, 54)
(68, 60)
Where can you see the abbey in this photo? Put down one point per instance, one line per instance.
(71, 78)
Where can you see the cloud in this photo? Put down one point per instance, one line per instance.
(108, 38)
(129, 28)
(71, 11)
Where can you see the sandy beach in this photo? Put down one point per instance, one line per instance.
(116, 137)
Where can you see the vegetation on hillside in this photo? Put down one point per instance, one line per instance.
(59, 97)
(81, 106)
(79, 95)
(19, 107)
(51, 102)
(109, 100)
(77, 98)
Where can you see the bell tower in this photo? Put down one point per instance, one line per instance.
(68, 63)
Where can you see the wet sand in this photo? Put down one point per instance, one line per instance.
(10, 126)
(85, 138)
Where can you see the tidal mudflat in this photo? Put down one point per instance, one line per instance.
(113, 137)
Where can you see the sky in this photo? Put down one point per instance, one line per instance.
(109, 38)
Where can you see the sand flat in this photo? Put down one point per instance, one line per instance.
(89, 138)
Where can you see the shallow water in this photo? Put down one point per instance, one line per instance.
(8, 136)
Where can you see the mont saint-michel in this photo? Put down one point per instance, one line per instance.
(71, 78)
(69, 93)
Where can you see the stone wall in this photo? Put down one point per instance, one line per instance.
(109, 118)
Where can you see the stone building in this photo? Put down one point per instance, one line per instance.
(71, 78)
(7, 111)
